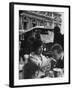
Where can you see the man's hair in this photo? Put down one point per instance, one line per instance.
(57, 47)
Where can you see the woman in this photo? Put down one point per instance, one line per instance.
(37, 63)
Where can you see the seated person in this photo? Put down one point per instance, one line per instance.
(58, 63)
(58, 55)
(37, 61)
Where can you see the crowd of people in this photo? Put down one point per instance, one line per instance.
(34, 64)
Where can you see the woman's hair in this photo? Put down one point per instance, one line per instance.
(29, 70)
(36, 44)
(57, 47)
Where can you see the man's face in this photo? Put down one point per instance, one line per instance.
(57, 55)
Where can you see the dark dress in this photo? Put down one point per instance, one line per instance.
(58, 37)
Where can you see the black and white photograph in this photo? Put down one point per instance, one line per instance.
(41, 44)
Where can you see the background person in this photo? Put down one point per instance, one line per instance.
(58, 37)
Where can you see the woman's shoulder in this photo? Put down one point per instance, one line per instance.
(34, 58)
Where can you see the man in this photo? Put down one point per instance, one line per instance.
(58, 55)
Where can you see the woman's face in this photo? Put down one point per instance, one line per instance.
(40, 49)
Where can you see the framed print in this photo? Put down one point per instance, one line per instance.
(39, 38)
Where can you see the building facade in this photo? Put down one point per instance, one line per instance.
(29, 19)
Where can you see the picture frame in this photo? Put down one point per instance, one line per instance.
(19, 14)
